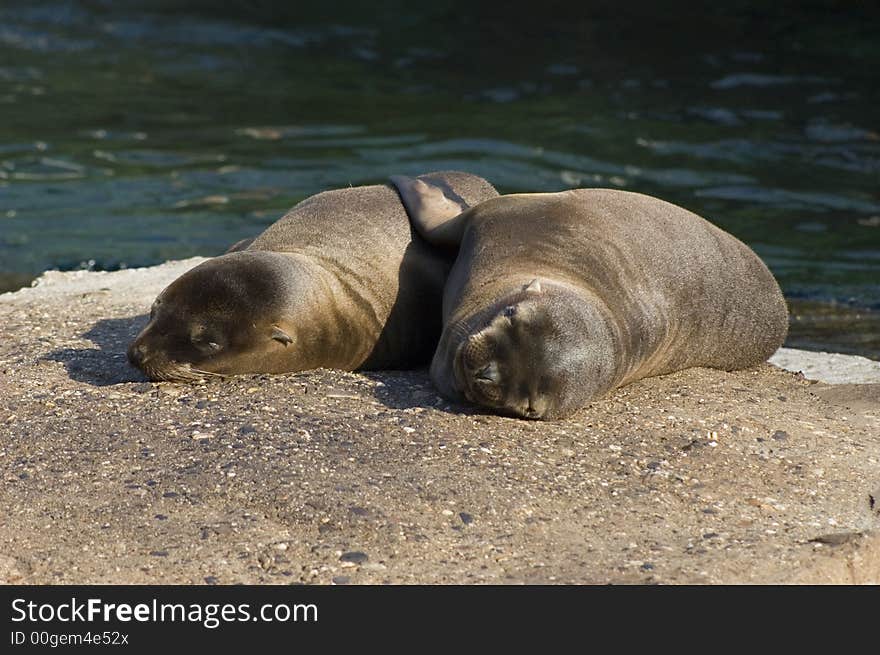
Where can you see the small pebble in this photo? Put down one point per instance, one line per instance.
(354, 556)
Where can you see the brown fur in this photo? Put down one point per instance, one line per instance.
(340, 281)
(631, 286)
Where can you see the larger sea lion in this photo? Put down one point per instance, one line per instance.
(556, 299)
(341, 281)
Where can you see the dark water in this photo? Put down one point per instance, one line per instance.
(132, 132)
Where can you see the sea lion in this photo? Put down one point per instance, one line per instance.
(341, 281)
(555, 299)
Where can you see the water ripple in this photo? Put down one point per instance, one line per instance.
(798, 200)
(764, 80)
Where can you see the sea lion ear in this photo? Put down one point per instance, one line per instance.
(281, 336)
(534, 286)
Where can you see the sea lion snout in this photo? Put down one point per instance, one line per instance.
(514, 363)
(137, 354)
(149, 360)
(484, 373)
(537, 407)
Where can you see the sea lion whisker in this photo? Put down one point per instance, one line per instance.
(188, 373)
(207, 373)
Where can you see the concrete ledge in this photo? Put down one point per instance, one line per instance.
(832, 368)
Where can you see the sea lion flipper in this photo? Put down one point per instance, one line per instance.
(435, 215)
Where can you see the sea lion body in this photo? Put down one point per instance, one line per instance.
(340, 281)
(556, 299)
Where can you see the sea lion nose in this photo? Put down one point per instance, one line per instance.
(137, 354)
(537, 407)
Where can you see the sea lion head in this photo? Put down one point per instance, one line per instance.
(539, 355)
(225, 316)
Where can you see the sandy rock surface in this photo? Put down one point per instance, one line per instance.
(697, 477)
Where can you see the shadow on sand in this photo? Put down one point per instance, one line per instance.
(106, 364)
(411, 389)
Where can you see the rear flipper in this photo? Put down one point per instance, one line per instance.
(435, 214)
